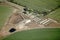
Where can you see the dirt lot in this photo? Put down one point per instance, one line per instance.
(57, 25)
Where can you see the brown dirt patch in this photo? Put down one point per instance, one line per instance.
(57, 25)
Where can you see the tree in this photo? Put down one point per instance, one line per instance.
(44, 13)
(11, 0)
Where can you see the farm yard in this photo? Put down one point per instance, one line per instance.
(21, 20)
(42, 6)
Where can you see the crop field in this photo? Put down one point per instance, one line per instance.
(40, 5)
(5, 11)
(55, 15)
(36, 34)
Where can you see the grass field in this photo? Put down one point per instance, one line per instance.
(36, 34)
(55, 15)
(5, 11)
(41, 5)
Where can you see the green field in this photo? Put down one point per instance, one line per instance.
(36, 34)
(5, 11)
(41, 5)
(55, 15)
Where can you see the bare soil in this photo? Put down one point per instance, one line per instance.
(57, 25)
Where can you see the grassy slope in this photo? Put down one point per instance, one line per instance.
(41, 5)
(37, 34)
(5, 11)
(55, 15)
